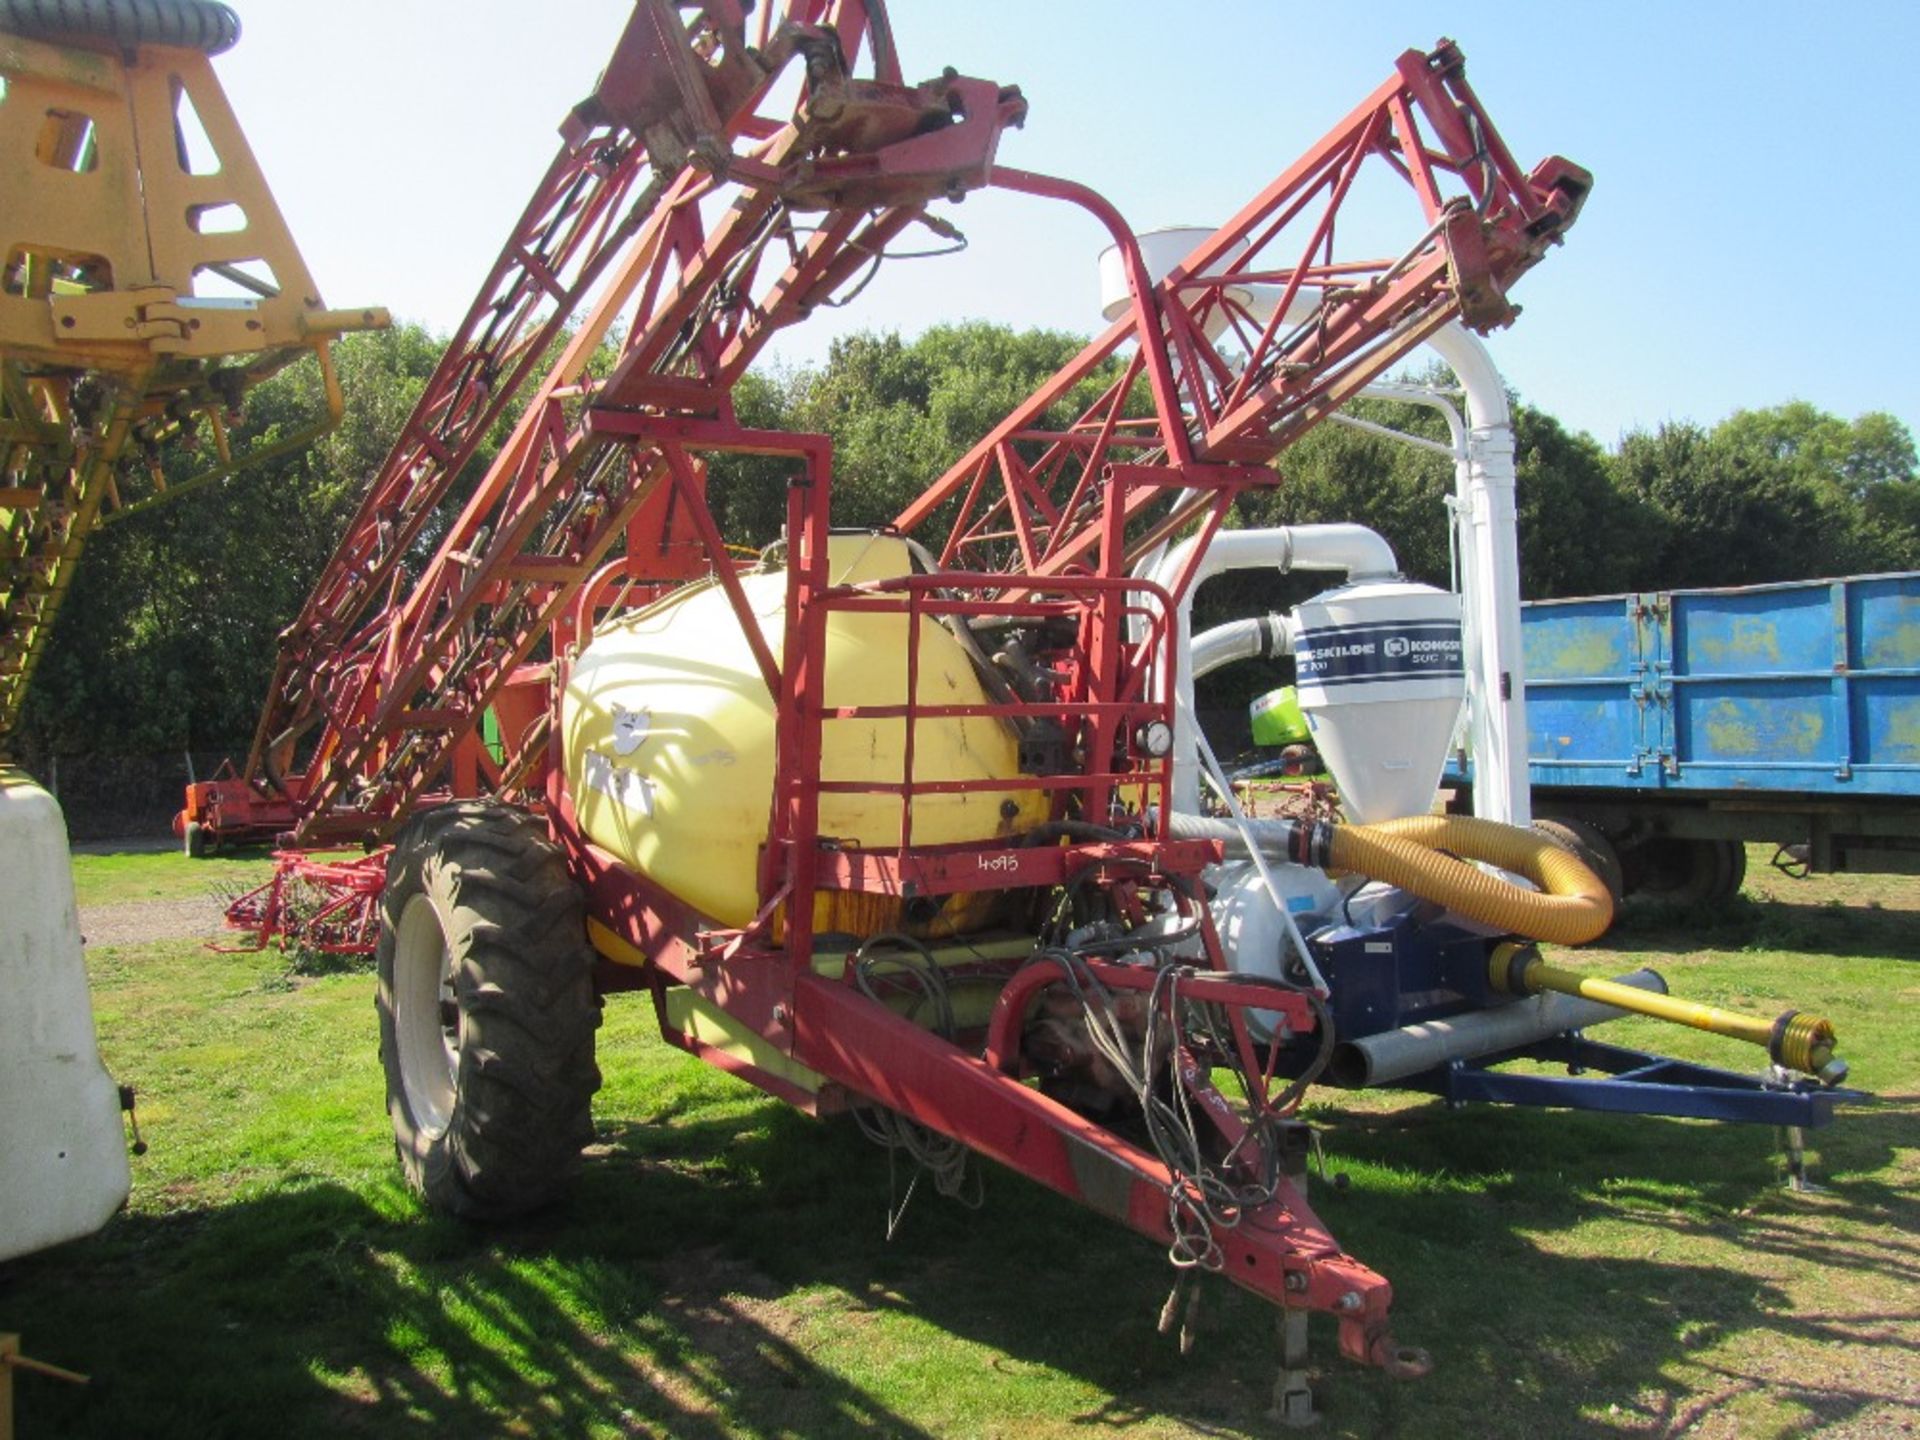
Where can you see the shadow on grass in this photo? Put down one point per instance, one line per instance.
(314, 1310)
(1764, 923)
(1468, 1206)
(730, 1277)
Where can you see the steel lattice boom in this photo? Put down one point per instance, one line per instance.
(685, 218)
(389, 692)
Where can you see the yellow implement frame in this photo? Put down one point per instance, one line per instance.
(147, 281)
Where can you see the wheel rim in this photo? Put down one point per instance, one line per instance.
(426, 1016)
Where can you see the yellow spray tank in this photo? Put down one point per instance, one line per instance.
(669, 738)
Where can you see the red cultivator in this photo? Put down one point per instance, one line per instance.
(330, 907)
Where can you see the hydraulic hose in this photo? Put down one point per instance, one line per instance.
(1795, 1040)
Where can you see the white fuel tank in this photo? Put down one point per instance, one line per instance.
(1379, 671)
(63, 1155)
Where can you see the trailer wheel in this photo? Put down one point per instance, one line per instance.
(487, 1011)
(1689, 872)
(1590, 845)
(1731, 872)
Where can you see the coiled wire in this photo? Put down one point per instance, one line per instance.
(1203, 1197)
(944, 1159)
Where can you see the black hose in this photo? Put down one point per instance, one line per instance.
(1084, 831)
(203, 25)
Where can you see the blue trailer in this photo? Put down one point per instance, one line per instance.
(1668, 728)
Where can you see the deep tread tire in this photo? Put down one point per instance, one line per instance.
(505, 1138)
(204, 25)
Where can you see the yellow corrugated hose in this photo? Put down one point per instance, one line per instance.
(1571, 907)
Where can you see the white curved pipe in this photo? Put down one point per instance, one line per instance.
(1258, 638)
(1490, 583)
(1362, 553)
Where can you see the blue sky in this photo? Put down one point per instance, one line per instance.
(1753, 235)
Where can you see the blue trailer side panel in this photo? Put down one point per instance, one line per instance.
(1884, 618)
(1583, 661)
(1805, 687)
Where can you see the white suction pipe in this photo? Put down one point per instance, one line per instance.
(1259, 638)
(1490, 584)
(1485, 519)
(1362, 553)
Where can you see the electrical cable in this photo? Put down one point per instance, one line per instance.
(940, 1156)
(1201, 1197)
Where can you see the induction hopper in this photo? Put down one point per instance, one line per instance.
(1378, 669)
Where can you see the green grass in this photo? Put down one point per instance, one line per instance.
(721, 1269)
(100, 879)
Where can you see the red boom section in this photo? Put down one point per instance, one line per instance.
(702, 225)
(673, 196)
(1205, 386)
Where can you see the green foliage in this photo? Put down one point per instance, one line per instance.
(1580, 533)
(902, 412)
(1338, 473)
(168, 639)
(1787, 493)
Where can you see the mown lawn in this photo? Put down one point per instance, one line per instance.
(722, 1268)
(122, 877)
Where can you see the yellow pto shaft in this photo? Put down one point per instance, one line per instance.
(1796, 1040)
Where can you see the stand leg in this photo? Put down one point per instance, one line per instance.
(1292, 1395)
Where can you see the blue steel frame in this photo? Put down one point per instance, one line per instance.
(1633, 1082)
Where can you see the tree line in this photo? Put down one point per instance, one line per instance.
(167, 640)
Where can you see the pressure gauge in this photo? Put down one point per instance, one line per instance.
(1154, 738)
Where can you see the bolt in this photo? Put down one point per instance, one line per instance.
(781, 1014)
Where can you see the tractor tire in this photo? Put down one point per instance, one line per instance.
(487, 1011)
(193, 840)
(203, 25)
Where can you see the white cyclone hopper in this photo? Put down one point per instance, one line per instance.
(1379, 670)
(63, 1155)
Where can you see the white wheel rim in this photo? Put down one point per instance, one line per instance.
(426, 1016)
